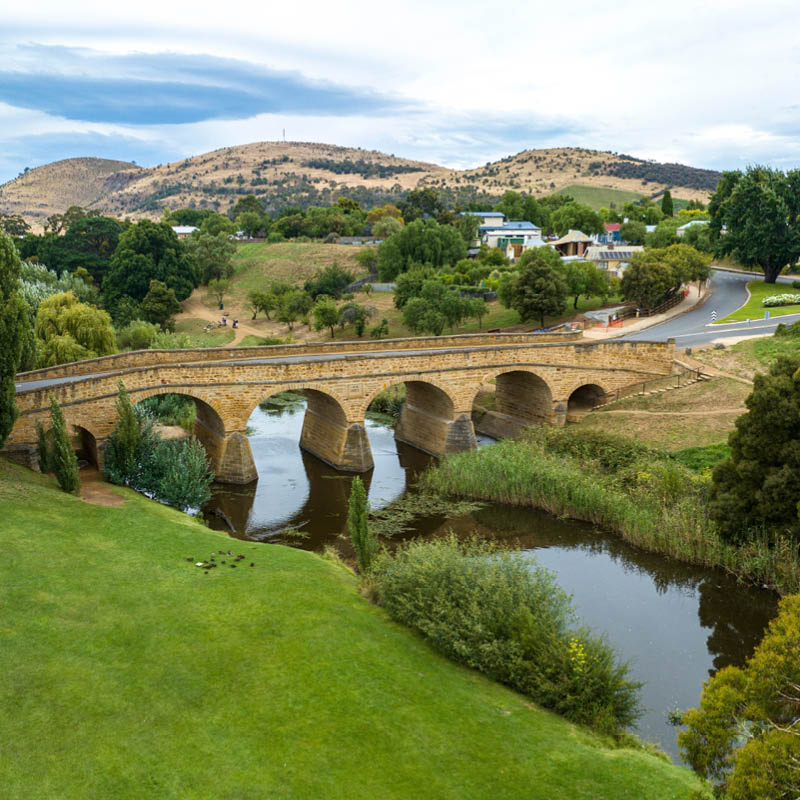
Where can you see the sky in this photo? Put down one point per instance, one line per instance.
(711, 84)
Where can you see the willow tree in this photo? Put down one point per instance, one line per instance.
(14, 330)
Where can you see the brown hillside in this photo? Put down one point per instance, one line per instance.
(297, 173)
(53, 188)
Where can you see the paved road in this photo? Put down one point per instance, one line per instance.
(694, 328)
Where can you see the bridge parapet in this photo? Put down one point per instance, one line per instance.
(146, 358)
(536, 383)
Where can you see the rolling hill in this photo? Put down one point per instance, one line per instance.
(303, 174)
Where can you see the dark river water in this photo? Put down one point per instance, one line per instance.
(675, 623)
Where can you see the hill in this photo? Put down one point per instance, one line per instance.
(126, 667)
(54, 187)
(296, 173)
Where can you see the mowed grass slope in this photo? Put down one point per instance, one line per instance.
(128, 673)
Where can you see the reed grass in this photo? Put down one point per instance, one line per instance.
(529, 473)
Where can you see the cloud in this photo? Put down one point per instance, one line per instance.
(170, 88)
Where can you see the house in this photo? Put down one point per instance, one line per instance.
(611, 233)
(683, 228)
(573, 243)
(612, 259)
(182, 231)
(518, 236)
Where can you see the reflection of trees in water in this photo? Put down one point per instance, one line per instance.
(736, 627)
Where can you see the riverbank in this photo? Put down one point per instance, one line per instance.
(640, 493)
(129, 671)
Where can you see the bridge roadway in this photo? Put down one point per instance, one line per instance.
(539, 378)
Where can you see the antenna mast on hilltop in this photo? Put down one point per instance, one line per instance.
(284, 134)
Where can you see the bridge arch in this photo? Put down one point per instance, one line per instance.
(582, 400)
(521, 398)
(429, 419)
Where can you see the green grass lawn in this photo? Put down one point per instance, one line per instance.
(753, 309)
(200, 338)
(599, 196)
(129, 673)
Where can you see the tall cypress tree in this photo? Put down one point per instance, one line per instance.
(666, 204)
(14, 330)
(64, 463)
(364, 541)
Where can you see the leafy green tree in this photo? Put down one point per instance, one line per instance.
(381, 330)
(247, 204)
(467, 225)
(386, 210)
(89, 242)
(68, 330)
(633, 232)
(251, 224)
(577, 217)
(744, 736)
(292, 306)
(213, 255)
(420, 242)
(665, 234)
(357, 315)
(62, 457)
(216, 224)
(386, 227)
(761, 212)
(365, 543)
(666, 204)
(420, 204)
(477, 308)
(367, 257)
(688, 263)
(13, 225)
(539, 290)
(759, 485)
(326, 314)
(15, 332)
(409, 284)
(187, 216)
(259, 300)
(160, 306)
(149, 251)
(414, 312)
(219, 288)
(647, 282)
(331, 281)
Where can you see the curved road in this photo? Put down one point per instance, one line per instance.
(694, 328)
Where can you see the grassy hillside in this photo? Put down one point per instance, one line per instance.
(128, 672)
(600, 197)
(301, 173)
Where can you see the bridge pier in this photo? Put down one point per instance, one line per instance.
(331, 437)
(429, 422)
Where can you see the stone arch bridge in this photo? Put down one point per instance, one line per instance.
(539, 379)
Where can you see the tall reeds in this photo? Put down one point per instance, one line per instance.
(645, 502)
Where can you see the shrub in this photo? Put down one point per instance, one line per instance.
(137, 335)
(780, 300)
(129, 445)
(390, 401)
(180, 474)
(500, 613)
(275, 237)
(62, 458)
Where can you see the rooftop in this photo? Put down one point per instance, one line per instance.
(572, 236)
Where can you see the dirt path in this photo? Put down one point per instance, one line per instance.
(194, 308)
(712, 413)
(96, 491)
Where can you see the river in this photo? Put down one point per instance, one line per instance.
(674, 622)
